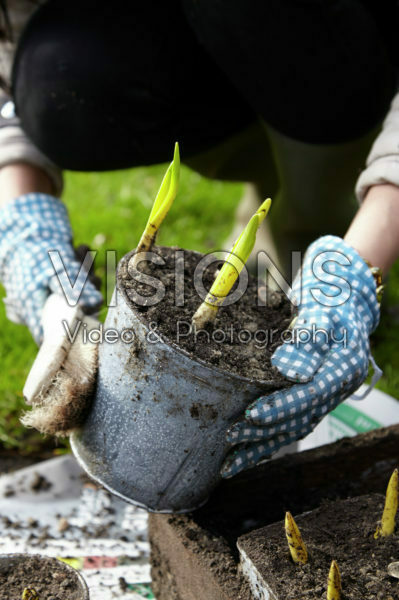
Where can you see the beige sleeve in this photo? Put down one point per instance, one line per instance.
(15, 146)
(382, 164)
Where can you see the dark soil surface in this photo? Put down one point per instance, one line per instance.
(299, 483)
(48, 577)
(342, 530)
(244, 335)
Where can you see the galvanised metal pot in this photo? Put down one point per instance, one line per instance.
(155, 436)
(11, 561)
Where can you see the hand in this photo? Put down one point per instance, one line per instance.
(327, 354)
(30, 227)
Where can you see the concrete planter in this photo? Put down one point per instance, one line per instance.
(341, 531)
(198, 555)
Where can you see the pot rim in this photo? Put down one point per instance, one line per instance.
(175, 347)
(21, 556)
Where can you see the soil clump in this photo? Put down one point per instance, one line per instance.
(244, 335)
(48, 577)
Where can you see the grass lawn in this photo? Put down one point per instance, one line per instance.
(108, 211)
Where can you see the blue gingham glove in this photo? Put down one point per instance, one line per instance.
(31, 226)
(326, 354)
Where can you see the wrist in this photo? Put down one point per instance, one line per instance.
(374, 229)
(18, 179)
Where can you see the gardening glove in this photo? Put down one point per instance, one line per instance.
(31, 226)
(326, 354)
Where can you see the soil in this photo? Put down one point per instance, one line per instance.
(244, 334)
(298, 483)
(343, 531)
(37, 484)
(195, 555)
(48, 577)
(40, 483)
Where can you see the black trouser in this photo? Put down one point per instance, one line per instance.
(101, 88)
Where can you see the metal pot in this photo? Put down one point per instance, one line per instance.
(10, 561)
(155, 436)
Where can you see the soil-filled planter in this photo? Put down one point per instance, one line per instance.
(156, 432)
(49, 577)
(195, 555)
(341, 531)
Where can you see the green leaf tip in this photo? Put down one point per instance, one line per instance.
(231, 268)
(160, 208)
(167, 192)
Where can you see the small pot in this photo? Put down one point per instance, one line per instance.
(155, 436)
(8, 561)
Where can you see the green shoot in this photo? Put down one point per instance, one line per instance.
(162, 203)
(231, 269)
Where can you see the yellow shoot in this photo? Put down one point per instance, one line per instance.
(231, 269)
(387, 525)
(298, 550)
(162, 203)
(334, 588)
(30, 594)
